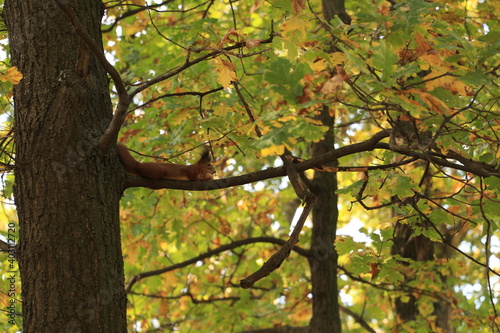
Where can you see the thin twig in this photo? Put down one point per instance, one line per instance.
(247, 108)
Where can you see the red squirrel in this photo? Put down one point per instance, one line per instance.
(201, 170)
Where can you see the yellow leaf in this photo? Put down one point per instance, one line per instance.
(164, 246)
(437, 79)
(302, 315)
(12, 75)
(314, 121)
(276, 124)
(181, 116)
(287, 118)
(319, 65)
(279, 150)
(433, 103)
(226, 72)
(294, 28)
(337, 58)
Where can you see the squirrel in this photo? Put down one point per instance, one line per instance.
(406, 134)
(201, 170)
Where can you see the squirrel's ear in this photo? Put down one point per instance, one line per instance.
(206, 156)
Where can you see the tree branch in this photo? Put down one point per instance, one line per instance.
(474, 167)
(152, 7)
(211, 253)
(281, 329)
(178, 94)
(111, 133)
(190, 63)
(467, 165)
(277, 259)
(370, 144)
(359, 319)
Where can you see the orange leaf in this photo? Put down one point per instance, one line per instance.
(434, 103)
(224, 227)
(375, 269)
(422, 45)
(306, 93)
(12, 75)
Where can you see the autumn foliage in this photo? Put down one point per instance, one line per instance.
(417, 236)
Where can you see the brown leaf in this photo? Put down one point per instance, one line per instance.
(252, 42)
(298, 6)
(227, 37)
(375, 269)
(333, 85)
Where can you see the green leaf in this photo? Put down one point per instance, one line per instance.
(285, 78)
(431, 234)
(385, 59)
(475, 78)
(401, 185)
(353, 189)
(439, 216)
(390, 271)
(346, 245)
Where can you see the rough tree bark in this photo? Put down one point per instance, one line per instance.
(67, 192)
(332, 8)
(324, 265)
(325, 317)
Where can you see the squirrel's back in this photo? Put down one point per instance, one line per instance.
(201, 170)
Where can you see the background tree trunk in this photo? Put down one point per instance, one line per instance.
(335, 7)
(326, 317)
(324, 265)
(67, 192)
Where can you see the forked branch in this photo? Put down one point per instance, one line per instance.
(277, 259)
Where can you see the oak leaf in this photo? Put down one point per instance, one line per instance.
(333, 85)
(12, 75)
(227, 37)
(226, 71)
(249, 43)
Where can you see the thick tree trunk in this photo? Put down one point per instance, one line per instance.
(417, 248)
(335, 7)
(420, 248)
(326, 317)
(67, 192)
